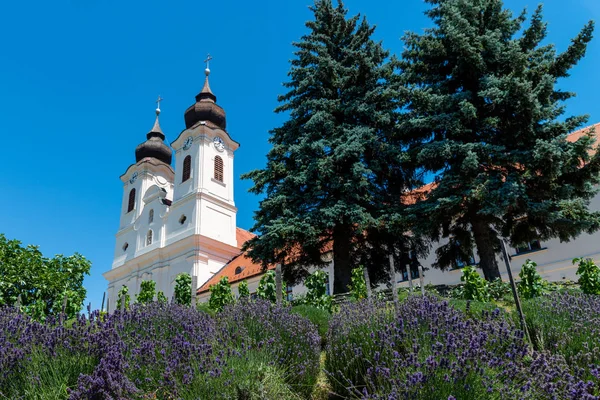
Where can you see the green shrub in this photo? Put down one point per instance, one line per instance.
(220, 294)
(589, 275)
(205, 308)
(147, 292)
(358, 287)
(183, 289)
(531, 284)
(243, 290)
(475, 287)
(267, 288)
(499, 290)
(317, 296)
(472, 308)
(123, 293)
(161, 298)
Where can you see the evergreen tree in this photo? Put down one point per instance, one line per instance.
(483, 112)
(321, 179)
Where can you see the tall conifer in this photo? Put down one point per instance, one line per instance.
(322, 181)
(484, 112)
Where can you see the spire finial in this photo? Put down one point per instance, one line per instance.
(158, 100)
(208, 58)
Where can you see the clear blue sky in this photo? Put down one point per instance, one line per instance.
(78, 80)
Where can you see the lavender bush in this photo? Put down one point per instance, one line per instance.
(431, 351)
(159, 351)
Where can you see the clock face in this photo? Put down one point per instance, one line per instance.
(218, 142)
(133, 177)
(188, 143)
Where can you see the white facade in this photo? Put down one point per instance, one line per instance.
(176, 225)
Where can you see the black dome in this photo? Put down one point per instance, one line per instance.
(205, 109)
(155, 146)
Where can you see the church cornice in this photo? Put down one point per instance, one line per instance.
(204, 129)
(202, 194)
(151, 164)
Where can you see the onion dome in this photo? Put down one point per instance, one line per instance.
(155, 146)
(205, 108)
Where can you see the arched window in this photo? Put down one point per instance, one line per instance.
(131, 203)
(187, 168)
(149, 238)
(239, 270)
(219, 168)
(151, 216)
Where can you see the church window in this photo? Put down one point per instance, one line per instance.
(125, 246)
(239, 270)
(131, 203)
(182, 219)
(149, 238)
(219, 169)
(151, 216)
(187, 168)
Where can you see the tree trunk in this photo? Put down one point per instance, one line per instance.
(485, 240)
(341, 259)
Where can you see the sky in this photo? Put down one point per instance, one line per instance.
(78, 81)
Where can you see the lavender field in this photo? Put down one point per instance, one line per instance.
(427, 349)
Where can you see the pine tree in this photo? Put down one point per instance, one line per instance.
(483, 111)
(321, 179)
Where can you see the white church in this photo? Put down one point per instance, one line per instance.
(183, 220)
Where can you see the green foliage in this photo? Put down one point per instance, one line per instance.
(161, 298)
(123, 293)
(325, 177)
(183, 289)
(475, 287)
(243, 290)
(220, 294)
(42, 283)
(205, 308)
(499, 290)
(485, 116)
(358, 287)
(147, 292)
(316, 296)
(474, 309)
(531, 284)
(589, 275)
(267, 288)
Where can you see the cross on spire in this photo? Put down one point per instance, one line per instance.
(158, 100)
(208, 58)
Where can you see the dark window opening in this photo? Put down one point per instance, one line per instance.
(187, 168)
(534, 245)
(131, 203)
(219, 169)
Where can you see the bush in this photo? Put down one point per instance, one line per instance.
(428, 350)
(499, 290)
(161, 298)
(183, 289)
(147, 292)
(123, 293)
(531, 284)
(317, 316)
(475, 287)
(290, 341)
(316, 296)
(243, 290)
(220, 294)
(267, 287)
(358, 287)
(589, 275)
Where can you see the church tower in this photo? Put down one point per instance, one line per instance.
(204, 154)
(180, 220)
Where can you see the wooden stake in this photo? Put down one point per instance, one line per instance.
(103, 298)
(123, 303)
(278, 285)
(514, 289)
(410, 282)
(393, 281)
(422, 279)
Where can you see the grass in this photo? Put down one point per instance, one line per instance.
(317, 316)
